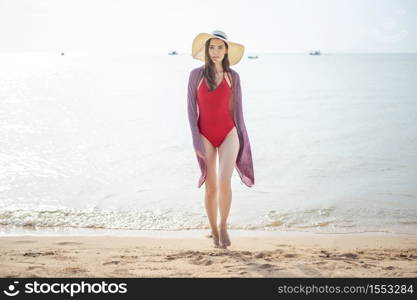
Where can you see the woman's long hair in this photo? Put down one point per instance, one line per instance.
(209, 69)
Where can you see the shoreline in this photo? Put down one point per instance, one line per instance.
(8, 230)
(281, 255)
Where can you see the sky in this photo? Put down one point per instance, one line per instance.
(279, 26)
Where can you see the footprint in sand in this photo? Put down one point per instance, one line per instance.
(12, 276)
(348, 255)
(326, 254)
(290, 255)
(263, 270)
(266, 266)
(320, 262)
(123, 272)
(67, 243)
(343, 256)
(196, 257)
(261, 255)
(36, 254)
(113, 262)
(35, 267)
(25, 242)
(74, 270)
(201, 261)
(33, 275)
(308, 271)
(129, 256)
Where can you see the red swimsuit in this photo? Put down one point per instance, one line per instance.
(215, 119)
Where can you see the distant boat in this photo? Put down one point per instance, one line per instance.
(315, 52)
(173, 53)
(252, 56)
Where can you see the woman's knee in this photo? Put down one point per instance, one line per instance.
(224, 182)
(211, 192)
(211, 186)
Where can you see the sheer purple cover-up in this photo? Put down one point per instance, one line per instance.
(244, 164)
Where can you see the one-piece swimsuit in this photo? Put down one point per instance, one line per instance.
(215, 119)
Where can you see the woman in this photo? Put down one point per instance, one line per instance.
(217, 125)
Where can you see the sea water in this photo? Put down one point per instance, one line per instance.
(102, 141)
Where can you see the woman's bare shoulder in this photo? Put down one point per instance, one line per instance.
(233, 74)
(229, 78)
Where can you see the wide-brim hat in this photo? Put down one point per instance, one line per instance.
(235, 51)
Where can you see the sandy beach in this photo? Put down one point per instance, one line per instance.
(310, 255)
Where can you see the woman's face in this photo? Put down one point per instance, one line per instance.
(217, 50)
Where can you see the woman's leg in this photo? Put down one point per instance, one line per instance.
(211, 189)
(228, 151)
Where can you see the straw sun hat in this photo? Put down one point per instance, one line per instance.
(235, 51)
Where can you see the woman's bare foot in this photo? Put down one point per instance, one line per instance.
(224, 238)
(215, 236)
